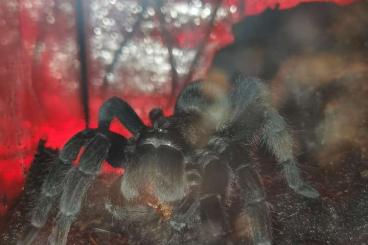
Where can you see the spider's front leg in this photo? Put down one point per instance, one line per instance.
(255, 212)
(216, 180)
(104, 145)
(99, 144)
(219, 178)
(76, 184)
(52, 186)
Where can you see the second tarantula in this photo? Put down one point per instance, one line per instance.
(191, 168)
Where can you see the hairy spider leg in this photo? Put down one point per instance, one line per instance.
(196, 98)
(255, 211)
(246, 112)
(215, 184)
(52, 186)
(279, 141)
(251, 95)
(116, 107)
(105, 145)
(100, 144)
(76, 184)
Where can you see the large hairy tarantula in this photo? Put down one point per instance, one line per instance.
(191, 169)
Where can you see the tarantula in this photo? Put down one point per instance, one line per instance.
(191, 168)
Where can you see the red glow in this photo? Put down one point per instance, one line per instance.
(253, 7)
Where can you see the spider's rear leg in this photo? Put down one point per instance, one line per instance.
(76, 184)
(214, 190)
(279, 141)
(52, 186)
(256, 213)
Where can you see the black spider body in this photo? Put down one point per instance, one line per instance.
(189, 178)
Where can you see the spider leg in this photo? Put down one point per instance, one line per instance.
(76, 184)
(215, 183)
(116, 107)
(204, 99)
(100, 144)
(255, 208)
(279, 141)
(251, 100)
(191, 98)
(116, 156)
(52, 186)
(155, 114)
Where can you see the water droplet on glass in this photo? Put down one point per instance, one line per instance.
(28, 4)
(197, 21)
(206, 12)
(128, 28)
(110, 77)
(173, 14)
(97, 31)
(137, 9)
(50, 19)
(120, 6)
(151, 11)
